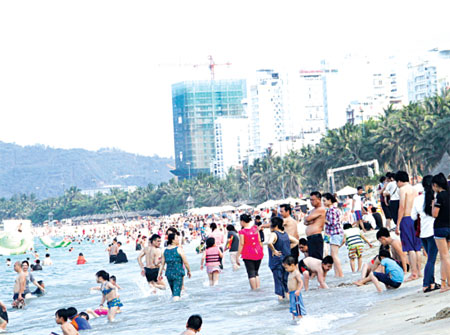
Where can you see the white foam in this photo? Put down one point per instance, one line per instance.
(311, 323)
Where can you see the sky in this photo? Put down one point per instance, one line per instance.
(95, 74)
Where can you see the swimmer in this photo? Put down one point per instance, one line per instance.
(96, 313)
(78, 321)
(109, 294)
(61, 317)
(295, 284)
(193, 325)
(47, 261)
(81, 260)
(152, 255)
(8, 262)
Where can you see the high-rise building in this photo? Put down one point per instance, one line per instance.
(267, 111)
(313, 98)
(232, 144)
(429, 75)
(196, 105)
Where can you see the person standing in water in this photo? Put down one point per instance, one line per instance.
(233, 245)
(290, 227)
(314, 223)
(333, 228)
(279, 246)
(19, 286)
(109, 294)
(212, 256)
(3, 316)
(250, 247)
(113, 251)
(295, 285)
(153, 256)
(193, 325)
(174, 257)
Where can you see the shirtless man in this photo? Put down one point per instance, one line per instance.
(19, 285)
(311, 267)
(152, 255)
(113, 251)
(290, 227)
(314, 223)
(405, 225)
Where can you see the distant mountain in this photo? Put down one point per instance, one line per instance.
(46, 171)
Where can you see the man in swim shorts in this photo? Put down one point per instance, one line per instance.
(19, 286)
(152, 255)
(314, 223)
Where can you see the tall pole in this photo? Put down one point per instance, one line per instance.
(189, 170)
(248, 176)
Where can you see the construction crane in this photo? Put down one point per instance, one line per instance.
(212, 64)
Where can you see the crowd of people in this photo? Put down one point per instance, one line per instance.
(415, 225)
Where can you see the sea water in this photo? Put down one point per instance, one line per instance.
(229, 308)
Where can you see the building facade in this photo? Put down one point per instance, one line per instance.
(232, 144)
(196, 106)
(267, 111)
(429, 75)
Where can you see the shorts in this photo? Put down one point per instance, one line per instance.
(3, 317)
(211, 269)
(114, 303)
(358, 215)
(441, 233)
(355, 251)
(336, 239)
(302, 267)
(252, 267)
(386, 280)
(386, 211)
(296, 306)
(410, 242)
(315, 246)
(151, 274)
(393, 208)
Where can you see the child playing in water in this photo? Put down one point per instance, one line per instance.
(81, 259)
(295, 284)
(193, 325)
(96, 313)
(61, 317)
(355, 245)
(212, 255)
(109, 294)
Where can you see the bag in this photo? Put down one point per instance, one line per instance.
(417, 225)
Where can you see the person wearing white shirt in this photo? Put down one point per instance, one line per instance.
(393, 193)
(422, 208)
(357, 208)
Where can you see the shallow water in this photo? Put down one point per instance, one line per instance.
(230, 308)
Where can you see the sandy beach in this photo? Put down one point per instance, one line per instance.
(406, 310)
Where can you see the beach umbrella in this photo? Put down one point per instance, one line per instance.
(347, 190)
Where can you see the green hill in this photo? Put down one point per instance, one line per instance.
(47, 171)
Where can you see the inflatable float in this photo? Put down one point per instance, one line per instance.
(49, 243)
(14, 243)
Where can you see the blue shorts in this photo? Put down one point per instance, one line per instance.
(296, 306)
(358, 215)
(410, 242)
(386, 280)
(336, 239)
(441, 233)
(114, 303)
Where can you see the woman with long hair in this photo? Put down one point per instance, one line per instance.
(333, 228)
(422, 209)
(441, 212)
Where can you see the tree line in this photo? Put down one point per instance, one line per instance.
(413, 138)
